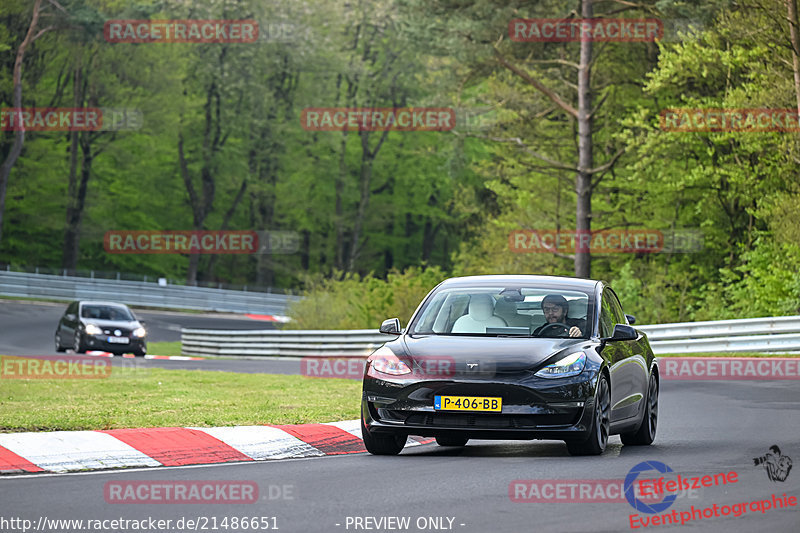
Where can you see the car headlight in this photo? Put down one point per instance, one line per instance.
(571, 365)
(91, 329)
(139, 332)
(386, 362)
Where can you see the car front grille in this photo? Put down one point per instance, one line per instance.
(124, 332)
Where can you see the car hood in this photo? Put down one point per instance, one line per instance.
(133, 324)
(502, 354)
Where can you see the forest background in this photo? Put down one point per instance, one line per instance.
(381, 217)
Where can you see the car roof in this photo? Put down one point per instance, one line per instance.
(560, 282)
(99, 302)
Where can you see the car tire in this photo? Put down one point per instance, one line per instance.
(140, 352)
(382, 445)
(646, 433)
(77, 344)
(595, 444)
(59, 348)
(451, 440)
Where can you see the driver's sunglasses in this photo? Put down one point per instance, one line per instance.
(549, 309)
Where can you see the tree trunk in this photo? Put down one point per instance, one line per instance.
(212, 262)
(77, 186)
(19, 134)
(367, 159)
(792, 7)
(583, 180)
(305, 251)
(339, 215)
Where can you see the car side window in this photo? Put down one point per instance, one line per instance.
(616, 308)
(72, 308)
(606, 318)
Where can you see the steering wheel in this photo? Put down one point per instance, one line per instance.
(554, 325)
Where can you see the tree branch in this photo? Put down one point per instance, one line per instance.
(536, 84)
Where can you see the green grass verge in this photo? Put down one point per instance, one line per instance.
(728, 354)
(151, 397)
(164, 348)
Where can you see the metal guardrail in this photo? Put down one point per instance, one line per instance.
(27, 285)
(721, 328)
(777, 334)
(770, 334)
(359, 342)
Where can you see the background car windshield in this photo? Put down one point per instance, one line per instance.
(105, 312)
(498, 311)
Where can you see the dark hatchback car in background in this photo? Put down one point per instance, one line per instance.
(512, 357)
(103, 326)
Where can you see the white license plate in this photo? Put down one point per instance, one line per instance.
(119, 340)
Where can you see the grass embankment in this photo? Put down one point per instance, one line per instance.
(164, 348)
(152, 397)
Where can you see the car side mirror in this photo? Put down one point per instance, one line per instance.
(631, 319)
(390, 326)
(70, 316)
(623, 333)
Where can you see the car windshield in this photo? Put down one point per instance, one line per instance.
(106, 312)
(504, 311)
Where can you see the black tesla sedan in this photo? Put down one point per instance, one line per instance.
(104, 326)
(512, 357)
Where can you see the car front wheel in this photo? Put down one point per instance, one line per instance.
(595, 444)
(382, 444)
(77, 344)
(59, 348)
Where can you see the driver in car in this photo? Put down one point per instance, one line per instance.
(556, 309)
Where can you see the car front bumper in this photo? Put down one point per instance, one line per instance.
(532, 408)
(100, 342)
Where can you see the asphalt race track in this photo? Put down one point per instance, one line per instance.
(705, 428)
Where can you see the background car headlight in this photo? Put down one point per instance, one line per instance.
(139, 332)
(386, 362)
(91, 329)
(571, 365)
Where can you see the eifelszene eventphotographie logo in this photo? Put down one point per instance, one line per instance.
(777, 465)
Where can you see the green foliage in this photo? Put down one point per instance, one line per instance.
(357, 302)
(447, 200)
